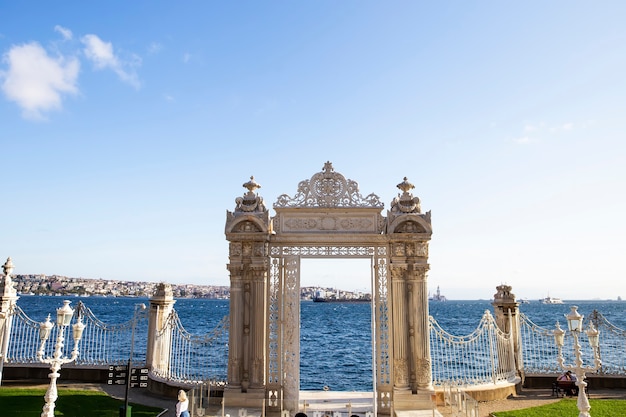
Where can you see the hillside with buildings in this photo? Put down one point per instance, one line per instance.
(41, 284)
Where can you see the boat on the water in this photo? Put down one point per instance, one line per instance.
(437, 296)
(551, 300)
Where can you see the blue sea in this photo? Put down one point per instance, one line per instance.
(336, 346)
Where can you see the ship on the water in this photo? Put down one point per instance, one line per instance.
(551, 300)
(437, 296)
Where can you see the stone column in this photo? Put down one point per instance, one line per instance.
(248, 231)
(161, 306)
(421, 373)
(8, 300)
(400, 329)
(235, 346)
(408, 231)
(258, 325)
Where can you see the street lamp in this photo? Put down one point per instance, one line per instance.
(127, 412)
(575, 325)
(64, 318)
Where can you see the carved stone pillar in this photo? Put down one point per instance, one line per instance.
(247, 229)
(161, 305)
(257, 331)
(409, 231)
(421, 373)
(400, 328)
(235, 341)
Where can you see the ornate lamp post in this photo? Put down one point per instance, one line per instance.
(64, 318)
(127, 412)
(575, 325)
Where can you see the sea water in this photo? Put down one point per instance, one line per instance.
(335, 338)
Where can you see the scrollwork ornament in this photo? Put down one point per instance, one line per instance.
(328, 189)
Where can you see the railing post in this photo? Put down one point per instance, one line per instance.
(161, 306)
(594, 318)
(8, 300)
(506, 311)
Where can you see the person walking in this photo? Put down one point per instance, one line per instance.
(182, 406)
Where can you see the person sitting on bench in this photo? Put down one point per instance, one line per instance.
(567, 382)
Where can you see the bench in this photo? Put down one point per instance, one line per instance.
(562, 388)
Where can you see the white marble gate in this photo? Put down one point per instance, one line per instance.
(327, 218)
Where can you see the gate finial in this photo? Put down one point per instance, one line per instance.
(251, 201)
(406, 203)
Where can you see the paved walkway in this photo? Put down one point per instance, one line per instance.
(525, 399)
(141, 396)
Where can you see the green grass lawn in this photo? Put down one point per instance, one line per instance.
(71, 403)
(567, 408)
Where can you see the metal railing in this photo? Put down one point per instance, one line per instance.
(484, 356)
(459, 402)
(101, 344)
(192, 358)
(539, 351)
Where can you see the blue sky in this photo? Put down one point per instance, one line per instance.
(128, 129)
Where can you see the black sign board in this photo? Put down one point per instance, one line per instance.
(117, 376)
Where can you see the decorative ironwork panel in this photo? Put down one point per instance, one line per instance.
(327, 251)
(291, 329)
(382, 330)
(273, 323)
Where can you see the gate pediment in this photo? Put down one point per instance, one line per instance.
(328, 221)
(328, 202)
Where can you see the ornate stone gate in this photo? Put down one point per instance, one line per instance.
(327, 217)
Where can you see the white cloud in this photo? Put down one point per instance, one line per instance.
(102, 55)
(530, 128)
(154, 48)
(66, 33)
(562, 128)
(37, 81)
(540, 132)
(186, 57)
(524, 140)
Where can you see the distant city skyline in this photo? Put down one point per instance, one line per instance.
(129, 129)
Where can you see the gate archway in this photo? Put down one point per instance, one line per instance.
(327, 217)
